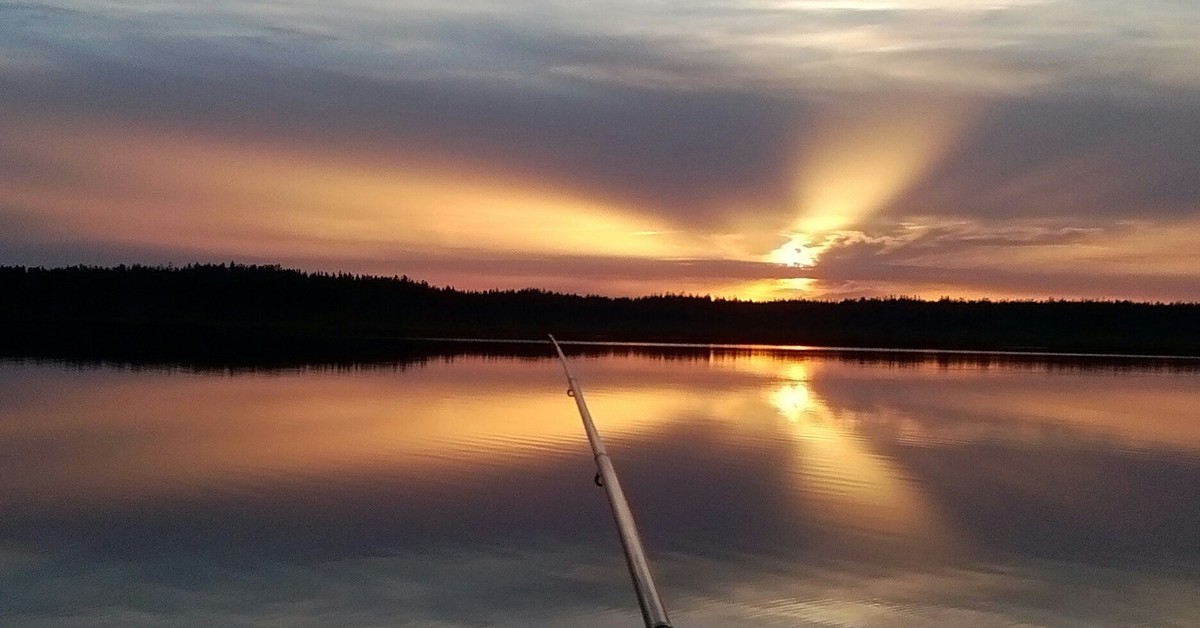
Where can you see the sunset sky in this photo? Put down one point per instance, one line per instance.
(741, 148)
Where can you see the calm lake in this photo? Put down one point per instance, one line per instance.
(772, 487)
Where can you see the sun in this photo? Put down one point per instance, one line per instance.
(796, 253)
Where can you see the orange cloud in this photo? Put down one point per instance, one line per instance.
(171, 189)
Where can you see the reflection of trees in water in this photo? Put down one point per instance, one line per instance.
(267, 352)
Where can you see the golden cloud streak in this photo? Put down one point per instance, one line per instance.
(167, 189)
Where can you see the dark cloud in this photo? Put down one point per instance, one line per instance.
(681, 155)
(987, 258)
(1084, 157)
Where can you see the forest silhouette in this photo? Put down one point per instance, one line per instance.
(270, 312)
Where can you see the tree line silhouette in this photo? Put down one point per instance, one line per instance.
(270, 311)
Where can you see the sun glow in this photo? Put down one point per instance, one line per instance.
(856, 162)
(796, 253)
(861, 159)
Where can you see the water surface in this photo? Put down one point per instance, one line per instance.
(773, 488)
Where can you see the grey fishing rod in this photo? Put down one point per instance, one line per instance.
(653, 612)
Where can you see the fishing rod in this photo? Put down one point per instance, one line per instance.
(653, 612)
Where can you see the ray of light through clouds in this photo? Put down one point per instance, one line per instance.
(758, 149)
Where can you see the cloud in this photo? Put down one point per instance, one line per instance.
(686, 158)
(1007, 258)
(1070, 156)
(722, 128)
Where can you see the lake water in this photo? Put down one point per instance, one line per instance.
(773, 488)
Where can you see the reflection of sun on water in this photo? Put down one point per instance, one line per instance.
(791, 400)
(836, 469)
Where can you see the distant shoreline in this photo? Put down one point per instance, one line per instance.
(244, 312)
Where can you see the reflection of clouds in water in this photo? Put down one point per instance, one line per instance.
(1102, 410)
(465, 588)
(498, 588)
(751, 478)
(1008, 594)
